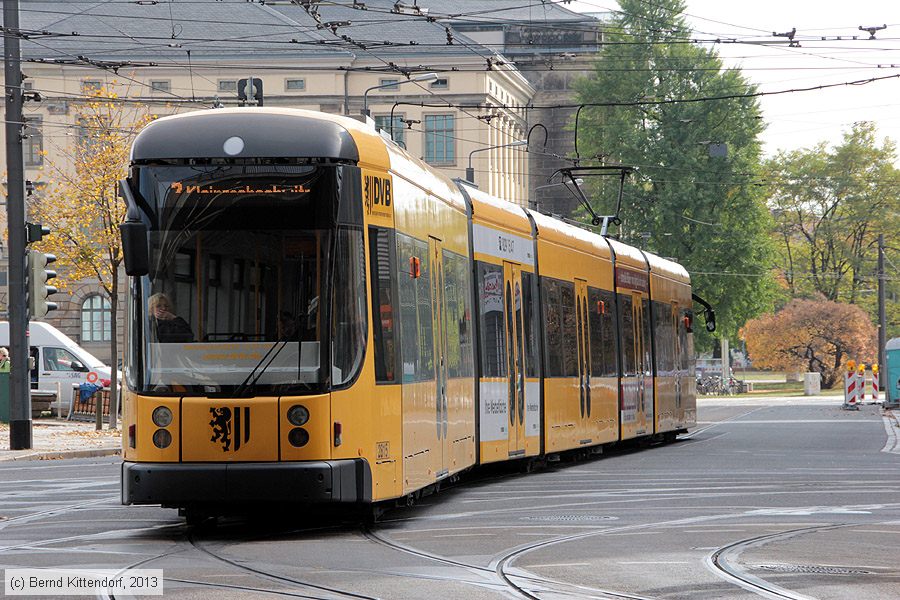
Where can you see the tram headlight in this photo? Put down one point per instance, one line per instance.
(298, 437)
(162, 438)
(298, 415)
(162, 416)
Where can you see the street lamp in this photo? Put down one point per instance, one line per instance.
(470, 172)
(417, 78)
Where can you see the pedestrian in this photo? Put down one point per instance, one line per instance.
(4, 360)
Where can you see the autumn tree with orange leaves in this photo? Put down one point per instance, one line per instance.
(817, 335)
(81, 204)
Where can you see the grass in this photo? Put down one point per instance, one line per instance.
(768, 383)
(761, 376)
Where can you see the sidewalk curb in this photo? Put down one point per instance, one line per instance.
(63, 454)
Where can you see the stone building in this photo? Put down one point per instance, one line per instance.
(490, 70)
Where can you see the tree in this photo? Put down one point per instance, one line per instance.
(688, 200)
(818, 335)
(829, 208)
(82, 207)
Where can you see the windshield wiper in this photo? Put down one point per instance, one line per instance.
(271, 354)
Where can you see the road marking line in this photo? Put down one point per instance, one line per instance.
(892, 445)
(655, 562)
(794, 421)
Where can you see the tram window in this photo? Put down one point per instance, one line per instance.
(569, 329)
(686, 343)
(184, 266)
(451, 303)
(349, 308)
(459, 330)
(350, 208)
(610, 334)
(382, 265)
(561, 332)
(552, 328)
(416, 336)
(464, 317)
(493, 333)
(531, 333)
(596, 313)
(646, 334)
(626, 319)
(664, 338)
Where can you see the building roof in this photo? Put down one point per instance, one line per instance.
(115, 30)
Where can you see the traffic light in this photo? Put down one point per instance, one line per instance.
(38, 290)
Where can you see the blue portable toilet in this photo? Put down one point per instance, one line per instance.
(892, 355)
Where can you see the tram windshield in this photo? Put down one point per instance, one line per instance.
(256, 282)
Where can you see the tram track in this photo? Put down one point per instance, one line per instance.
(192, 539)
(722, 563)
(503, 564)
(505, 578)
(61, 510)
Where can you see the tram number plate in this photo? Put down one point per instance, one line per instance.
(382, 450)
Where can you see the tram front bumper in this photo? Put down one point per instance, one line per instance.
(185, 484)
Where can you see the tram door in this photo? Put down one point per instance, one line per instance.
(583, 339)
(640, 308)
(515, 356)
(439, 329)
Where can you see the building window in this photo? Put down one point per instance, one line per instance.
(90, 86)
(228, 85)
(89, 134)
(440, 146)
(389, 84)
(33, 144)
(398, 134)
(294, 85)
(96, 319)
(440, 84)
(161, 85)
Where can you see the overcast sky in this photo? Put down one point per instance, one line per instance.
(802, 119)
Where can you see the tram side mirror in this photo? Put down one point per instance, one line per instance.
(134, 248)
(709, 315)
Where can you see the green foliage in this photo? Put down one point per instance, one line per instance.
(707, 212)
(830, 205)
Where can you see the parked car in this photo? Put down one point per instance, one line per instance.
(59, 360)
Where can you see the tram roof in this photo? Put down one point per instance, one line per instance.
(565, 234)
(628, 255)
(667, 268)
(498, 212)
(266, 133)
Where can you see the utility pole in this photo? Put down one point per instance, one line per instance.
(19, 393)
(882, 319)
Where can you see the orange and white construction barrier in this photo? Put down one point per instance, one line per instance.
(860, 383)
(875, 384)
(855, 385)
(850, 387)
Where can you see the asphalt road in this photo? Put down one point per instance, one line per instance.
(788, 499)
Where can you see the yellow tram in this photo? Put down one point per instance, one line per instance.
(315, 316)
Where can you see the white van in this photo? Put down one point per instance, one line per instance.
(58, 359)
